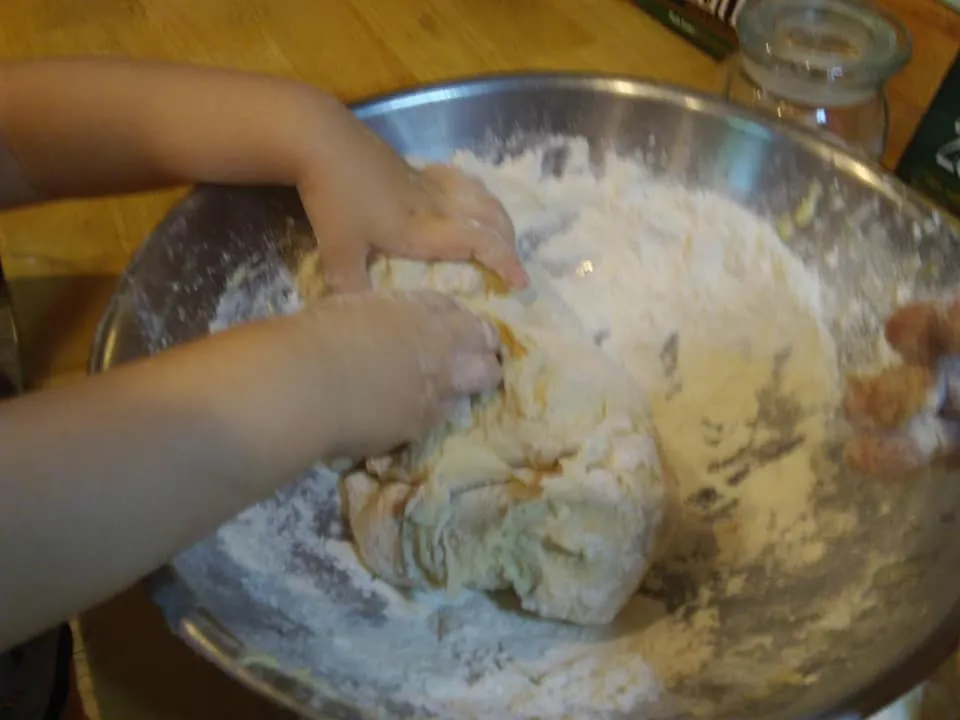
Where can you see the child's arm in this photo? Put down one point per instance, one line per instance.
(97, 127)
(92, 127)
(104, 480)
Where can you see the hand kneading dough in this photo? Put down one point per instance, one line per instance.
(550, 487)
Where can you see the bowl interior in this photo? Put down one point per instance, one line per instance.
(871, 241)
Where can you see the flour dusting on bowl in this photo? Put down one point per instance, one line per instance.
(730, 334)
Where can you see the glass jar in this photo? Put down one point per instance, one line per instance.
(822, 63)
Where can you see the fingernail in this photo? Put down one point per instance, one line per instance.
(473, 374)
(515, 275)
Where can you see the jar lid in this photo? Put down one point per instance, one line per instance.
(844, 48)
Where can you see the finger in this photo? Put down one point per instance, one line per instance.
(493, 243)
(454, 184)
(343, 255)
(490, 213)
(345, 266)
(471, 374)
(891, 397)
(478, 241)
(445, 238)
(501, 258)
(432, 239)
(440, 173)
(460, 329)
(469, 198)
(914, 332)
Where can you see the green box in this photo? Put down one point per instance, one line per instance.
(931, 162)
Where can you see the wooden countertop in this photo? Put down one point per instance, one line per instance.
(63, 260)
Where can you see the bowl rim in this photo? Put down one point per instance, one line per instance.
(916, 661)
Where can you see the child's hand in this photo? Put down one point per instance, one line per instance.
(909, 415)
(156, 124)
(106, 479)
(387, 368)
(362, 198)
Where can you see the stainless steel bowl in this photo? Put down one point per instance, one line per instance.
(170, 291)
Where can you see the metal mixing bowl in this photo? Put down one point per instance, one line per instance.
(170, 291)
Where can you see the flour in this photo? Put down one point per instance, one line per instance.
(726, 330)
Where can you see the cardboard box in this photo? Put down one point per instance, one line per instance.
(707, 24)
(931, 162)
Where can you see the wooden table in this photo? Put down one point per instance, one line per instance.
(63, 260)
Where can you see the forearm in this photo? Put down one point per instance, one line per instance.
(105, 480)
(83, 127)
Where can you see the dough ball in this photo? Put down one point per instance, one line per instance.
(550, 487)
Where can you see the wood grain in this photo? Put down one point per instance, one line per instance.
(62, 259)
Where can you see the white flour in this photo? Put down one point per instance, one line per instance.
(707, 309)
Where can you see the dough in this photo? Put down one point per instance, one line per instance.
(550, 487)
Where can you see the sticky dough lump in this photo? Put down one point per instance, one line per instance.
(551, 487)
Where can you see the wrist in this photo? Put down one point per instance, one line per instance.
(314, 371)
(324, 138)
(276, 127)
(335, 156)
